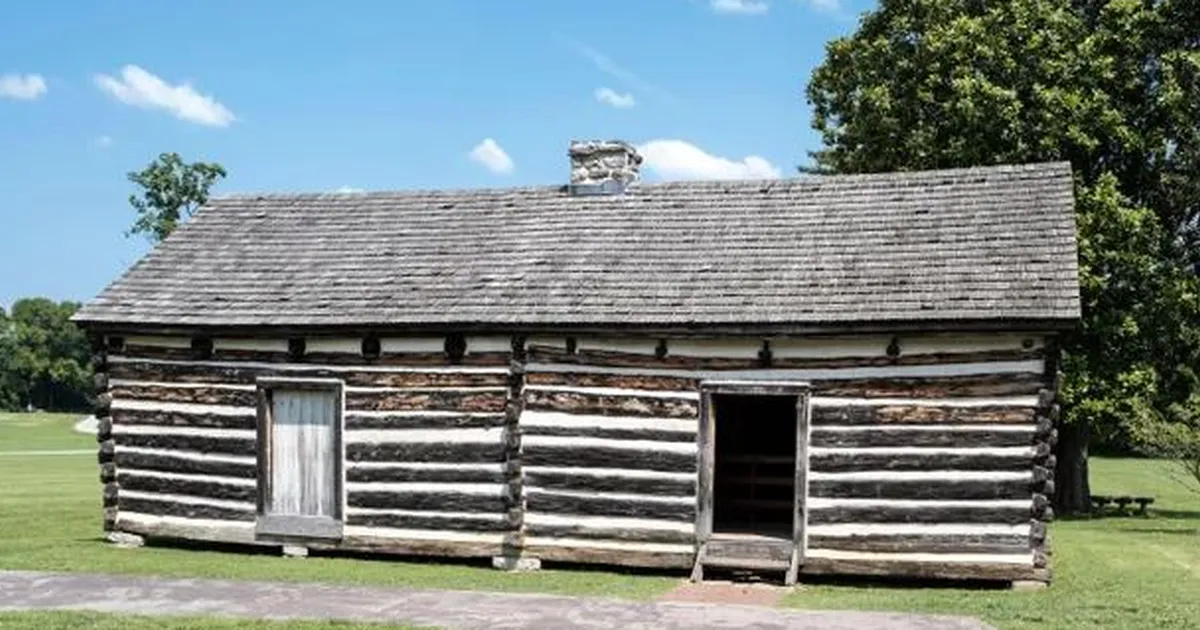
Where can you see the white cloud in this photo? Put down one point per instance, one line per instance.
(25, 87)
(140, 88)
(678, 159)
(610, 96)
(742, 7)
(606, 65)
(828, 6)
(492, 157)
(103, 142)
(348, 190)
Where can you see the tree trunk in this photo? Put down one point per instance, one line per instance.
(1072, 493)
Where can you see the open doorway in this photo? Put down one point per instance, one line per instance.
(754, 475)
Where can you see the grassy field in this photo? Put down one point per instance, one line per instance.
(1109, 573)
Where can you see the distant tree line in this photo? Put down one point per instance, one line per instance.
(44, 360)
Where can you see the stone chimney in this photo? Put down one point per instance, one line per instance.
(602, 166)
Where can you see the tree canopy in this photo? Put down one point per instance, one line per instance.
(43, 356)
(171, 190)
(1113, 86)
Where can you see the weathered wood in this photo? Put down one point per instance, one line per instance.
(604, 457)
(650, 382)
(850, 461)
(184, 419)
(408, 521)
(883, 436)
(199, 395)
(800, 487)
(550, 503)
(200, 443)
(178, 464)
(934, 387)
(396, 474)
(319, 358)
(99, 382)
(1003, 544)
(612, 557)
(206, 489)
(610, 483)
(448, 501)
(593, 404)
(449, 452)
(427, 400)
(184, 510)
(999, 571)
(921, 489)
(610, 358)
(375, 543)
(772, 549)
(108, 473)
(654, 435)
(104, 454)
(104, 429)
(706, 462)
(102, 406)
(246, 375)
(110, 494)
(905, 414)
(624, 534)
(417, 420)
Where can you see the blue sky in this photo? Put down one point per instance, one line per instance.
(320, 96)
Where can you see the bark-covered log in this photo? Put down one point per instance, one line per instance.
(884, 436)
(427, 400)
(110, 494)
(624, 534)
(935, 543)
(185, 419)
(593, 404)
(404, 521)
(550, 503)
(198, 395)
(612, 557)
(102, 406)
(921, 489)
(603, 457)
(448, 501)
(206, 489)
(997, 571)
(654, 435)
(650, 382)
(396, 474)
(246, 375)
(417, 420)
(596, 483)
(105, 453)
(449, 452)
(187, 465)
(982, 514)
(855, 461)
(938, 387)
(319, 358)
(104, 429)
(108, 473)
(184, 510)
(904, 414)
(199, 443)
(612, 358)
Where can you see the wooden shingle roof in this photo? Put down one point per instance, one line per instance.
(982, 244)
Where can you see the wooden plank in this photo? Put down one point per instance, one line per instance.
(1005, 572)
(914, 414)
(1001, 488)
(291, 527)
(994, 543)
(851, 460)
(459, 452)
(422, 420)
(447, 501)
(969, 386)
(173, 418)
(427, 399)
(800, 488)
(232, 491)
(604, 457)
(864, 436)
(190, 442)
(400, 473)
(229, 354)
(593, 404)
(612, 358)
(180, 463)
(242, 374)
(656, 435)
(623, 534)
(611, 557)
(651, 382)
(610, 483)
(208, 395)
(171, 507)
(983, 513)
(600, 505)
(366, 541)
(430, 522)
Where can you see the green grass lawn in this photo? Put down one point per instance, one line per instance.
(1108, 573)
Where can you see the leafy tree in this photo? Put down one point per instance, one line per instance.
(171, 190)
(43, 357)
(1113, 86)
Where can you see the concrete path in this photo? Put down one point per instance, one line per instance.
(442, 609)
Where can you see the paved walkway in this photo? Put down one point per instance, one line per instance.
(443, 609)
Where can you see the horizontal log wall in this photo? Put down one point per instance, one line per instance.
(929, 457)
(424, 439)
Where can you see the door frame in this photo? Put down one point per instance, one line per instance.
(706, 457)
(288, 526)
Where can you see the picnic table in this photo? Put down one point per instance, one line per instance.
(1100, 503)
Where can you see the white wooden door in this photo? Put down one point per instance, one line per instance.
(302, 457)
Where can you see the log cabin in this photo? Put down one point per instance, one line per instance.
(819, 375)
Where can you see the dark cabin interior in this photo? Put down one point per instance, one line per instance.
(754, 474)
